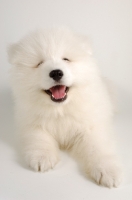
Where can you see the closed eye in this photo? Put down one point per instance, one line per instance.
(39, 63)
(66, 59)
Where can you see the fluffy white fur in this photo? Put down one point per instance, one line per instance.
(82, 124)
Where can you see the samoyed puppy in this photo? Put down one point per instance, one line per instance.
(63, 103)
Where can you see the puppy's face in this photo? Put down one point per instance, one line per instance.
(56, 78)
(51, 64)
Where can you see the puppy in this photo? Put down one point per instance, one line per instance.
(62, 102)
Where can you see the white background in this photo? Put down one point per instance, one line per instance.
(109, 26)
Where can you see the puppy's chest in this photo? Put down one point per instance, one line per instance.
(64, 129)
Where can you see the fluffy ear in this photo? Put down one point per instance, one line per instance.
(12, 51)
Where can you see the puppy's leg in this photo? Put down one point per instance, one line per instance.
(40, 150)
(98, 158)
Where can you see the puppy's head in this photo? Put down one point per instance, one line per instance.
(50, 65)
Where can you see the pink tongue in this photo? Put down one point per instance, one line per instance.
(58, 91)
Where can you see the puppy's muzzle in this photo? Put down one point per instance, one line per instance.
(57, 92)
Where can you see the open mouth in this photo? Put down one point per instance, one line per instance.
(58, 93)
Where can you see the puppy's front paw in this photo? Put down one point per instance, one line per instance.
(106, 172)
(41, 160)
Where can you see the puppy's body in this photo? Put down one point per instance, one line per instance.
(62, 102)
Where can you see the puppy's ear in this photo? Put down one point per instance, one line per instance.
(13, 52)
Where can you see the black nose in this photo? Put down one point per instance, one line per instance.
(56, 74)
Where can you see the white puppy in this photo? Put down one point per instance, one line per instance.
(62, 102)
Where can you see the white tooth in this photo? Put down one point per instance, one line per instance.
(53, 96)
(64, 95)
